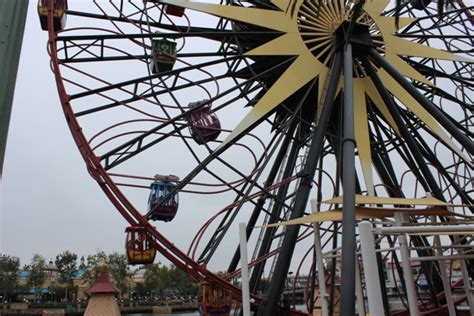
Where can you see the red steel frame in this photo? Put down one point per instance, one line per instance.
(124, 207)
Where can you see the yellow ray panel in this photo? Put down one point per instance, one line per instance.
(361, 130)
(275, 20)
(330, 216)
(287, 44)
(363, 199)
(377, 99)
(408, 48)
(323, 76)
(300, 72)
(387, 25)
(360, 214)
(401, 94)
(281, 4)
(405, 69)
(375, 7)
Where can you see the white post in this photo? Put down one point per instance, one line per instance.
(444, 276)
(359, 290)
(467, 286)
(407, 272)
(371, 272)
(320, 270)
(320, 265)
(244, 274)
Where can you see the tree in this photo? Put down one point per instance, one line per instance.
(92, 265)
(118, 270)
(182, 281)
(37, 272)
(9, 268)
(153, 282)
(158, 278)
(66, 262)
(117, 266)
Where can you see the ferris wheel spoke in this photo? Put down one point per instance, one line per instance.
(278, 199)
(431, 182)
(144, 80)
(261, 71)
(136, 22)
(442, 170)
(190, 32)
(433, 110)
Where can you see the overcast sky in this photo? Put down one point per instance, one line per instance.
(49, 202)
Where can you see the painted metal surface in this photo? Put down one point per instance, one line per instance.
(303, 69)
(12, 23)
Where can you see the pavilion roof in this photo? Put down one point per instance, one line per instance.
(103, 285)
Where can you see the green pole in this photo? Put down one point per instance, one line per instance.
(12, 26)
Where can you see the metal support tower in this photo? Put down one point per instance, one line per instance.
(12, 24)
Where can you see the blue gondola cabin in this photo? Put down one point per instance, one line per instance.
(162, 209)
(59, 14)
(203, 122)
(139, 245)
(163, 55)
(214, 300)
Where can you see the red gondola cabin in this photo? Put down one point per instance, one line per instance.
(203, 122)
(139, 245)
(174, 10)
(59, 14)
(214, 300)
(159, 189)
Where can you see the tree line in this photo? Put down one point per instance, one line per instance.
(158, 279)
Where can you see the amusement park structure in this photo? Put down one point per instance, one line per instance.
(249, 110)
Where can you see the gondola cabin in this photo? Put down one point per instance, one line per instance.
(139, 245)
(174, 10)
(214, 300)
(159, 209)
(420, 4)
(59, 14)
(203, 122)
(163, 55)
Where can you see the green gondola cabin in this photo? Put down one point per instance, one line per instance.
(59, 14)
(163, 55)
(139, 245)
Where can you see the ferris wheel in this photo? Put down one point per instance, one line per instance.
(195, 116)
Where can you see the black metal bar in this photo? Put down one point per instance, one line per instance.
(348, 187)
(430, 107)
(270, 180)
(435, 190)
(404, 130)
(269, 305)
(435, 36)
(171, 27)
(275, 213)
(159, 35)
(72, 60)
(144, 79)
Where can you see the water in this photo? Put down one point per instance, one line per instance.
(196, 313)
